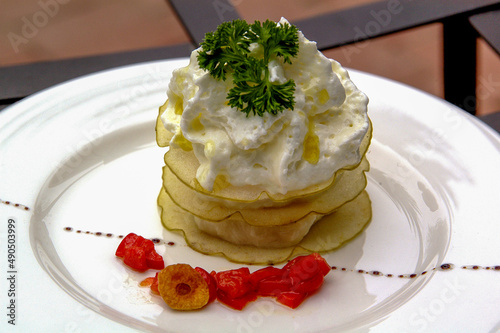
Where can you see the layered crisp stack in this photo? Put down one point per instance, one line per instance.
(263, 189)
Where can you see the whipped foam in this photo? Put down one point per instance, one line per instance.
(288, 151)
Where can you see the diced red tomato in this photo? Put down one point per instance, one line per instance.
(264, 273)
(237, 303)
(154, 285)
(139, 253)
(292, 262)
(308, 286)
(273, 286)
(154, 260)
(147, 282)
(306, 267)
(145, 244)
(291, 299)
(212, 284)
(323, 265)
(125, 244)
(235, 282)
(135, 257)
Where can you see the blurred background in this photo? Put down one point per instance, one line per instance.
(79, 28)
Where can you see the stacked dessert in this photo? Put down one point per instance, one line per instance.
(261, 175)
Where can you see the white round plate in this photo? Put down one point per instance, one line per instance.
(79, 166)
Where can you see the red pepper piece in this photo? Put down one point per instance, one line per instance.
(291, 299)
(292, 262)
(235, 282)
(135, 258)
(236, 303)
(147, 282)
(323, 265)
(263, 274)
(274, 285)
(306, 267)
(135, 255)
(308, 286)
(146, 244)
(139, 253)
(125, 244)
(212, 284)
(154, 285)
(154, 260)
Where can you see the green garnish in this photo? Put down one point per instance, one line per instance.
(227, 50)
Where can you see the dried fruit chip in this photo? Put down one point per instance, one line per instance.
(182, 287)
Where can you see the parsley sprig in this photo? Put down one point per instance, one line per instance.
(227, 51)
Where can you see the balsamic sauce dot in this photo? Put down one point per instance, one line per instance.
(17, 205)
(443, 267)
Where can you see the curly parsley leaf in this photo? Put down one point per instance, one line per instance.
(227, 51)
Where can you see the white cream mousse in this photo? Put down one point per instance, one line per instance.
(289, 151)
